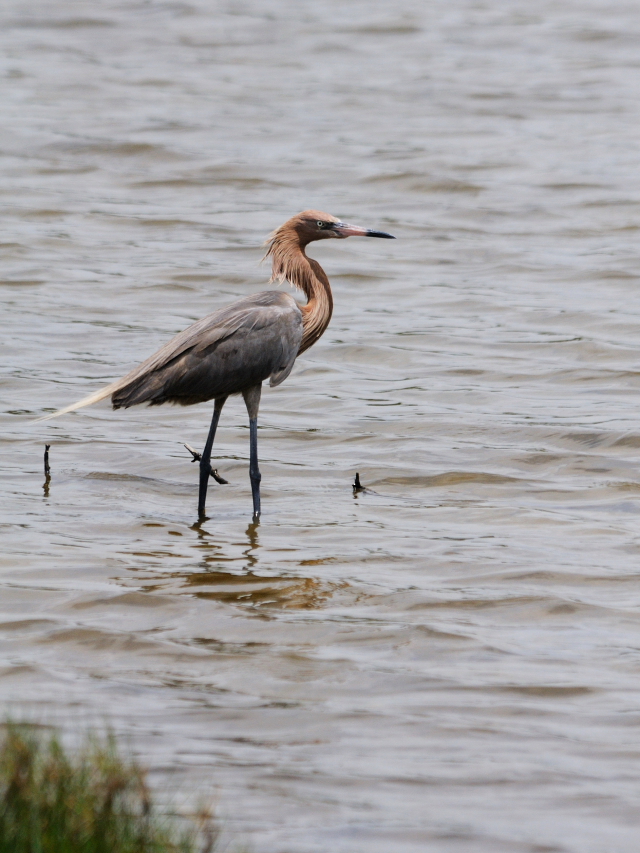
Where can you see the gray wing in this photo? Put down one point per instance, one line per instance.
(232, 349)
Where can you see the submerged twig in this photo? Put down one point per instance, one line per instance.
(212, 471)
(358, 488)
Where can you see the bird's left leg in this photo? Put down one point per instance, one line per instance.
(205, 460)
(252, 401)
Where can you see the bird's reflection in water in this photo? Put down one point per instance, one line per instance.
(253, 544)
(242, 584)
(215, 552)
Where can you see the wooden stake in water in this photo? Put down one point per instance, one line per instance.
(47, 471)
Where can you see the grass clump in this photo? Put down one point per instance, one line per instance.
(90, 801)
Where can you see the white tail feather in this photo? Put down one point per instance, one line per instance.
(107, 391)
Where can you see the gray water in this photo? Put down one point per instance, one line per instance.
(449, 661)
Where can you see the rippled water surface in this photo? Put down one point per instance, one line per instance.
(450, 660)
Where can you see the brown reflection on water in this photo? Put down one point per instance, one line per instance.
(244, 586)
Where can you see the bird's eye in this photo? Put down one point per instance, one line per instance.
(321, 224)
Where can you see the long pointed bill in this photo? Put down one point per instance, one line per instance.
(343, 229)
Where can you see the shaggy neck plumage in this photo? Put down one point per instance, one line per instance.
(290, 263)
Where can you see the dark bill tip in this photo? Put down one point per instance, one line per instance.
(384, 234)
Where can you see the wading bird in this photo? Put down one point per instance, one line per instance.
(234, 350)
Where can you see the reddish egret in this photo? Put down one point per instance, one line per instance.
(234, 350)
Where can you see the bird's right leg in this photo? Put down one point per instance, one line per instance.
(252, 401)
(205, 462)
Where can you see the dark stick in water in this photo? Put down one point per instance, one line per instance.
(47, 471)
(213, 472)
(357, 485)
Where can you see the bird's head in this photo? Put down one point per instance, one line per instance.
(310, 225)
(313, 225)
(284, 245)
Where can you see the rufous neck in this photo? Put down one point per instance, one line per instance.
(316, 314)
(290, 263)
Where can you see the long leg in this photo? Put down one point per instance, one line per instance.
(252, 400)
(205, 462)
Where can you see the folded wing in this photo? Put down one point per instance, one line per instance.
(238, 346)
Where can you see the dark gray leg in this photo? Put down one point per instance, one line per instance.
(252, 400)
(205, 462)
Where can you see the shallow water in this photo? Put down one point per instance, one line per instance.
(450, 660)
